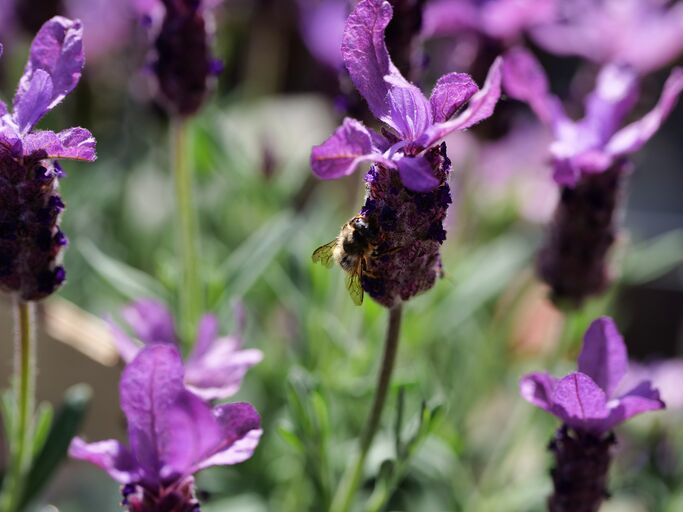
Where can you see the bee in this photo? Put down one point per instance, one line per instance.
(354, 244)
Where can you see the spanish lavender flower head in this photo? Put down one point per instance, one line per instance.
(30, 207)
(587, 403)
(217, 364)
(172, 433)
(181, 59)
(407, 189)
(589, 159)
(645, 34)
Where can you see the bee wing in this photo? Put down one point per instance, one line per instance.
(354, 286)
(323, 254)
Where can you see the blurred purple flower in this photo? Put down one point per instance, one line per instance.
(322, 26)
(645, 34)
(593, 144)
(505, 20)
(215, 367)
(585, 400)
(172, 434)
(666, 375)
(30, 206)
(415, 123)
(181, 58)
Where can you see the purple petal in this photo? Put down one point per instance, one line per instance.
(641, 399)
(31, 104)
(188, 433)
(151, 321)
(538, 388)
(603, 356)
(615, 93)
(150, 386)
(126, 347)
(449, 17)
(450, 93)
(579, 402)
(410, 114)
(57, 51)
(110, 455)
(322, 27)
(240, 433)
(365, 54)
(480, 107)
(631, 138)
(417, 174)
(505, 19)
(525, 80)
(207, 332)
(218, 373)
(339, 155)
(73, 144)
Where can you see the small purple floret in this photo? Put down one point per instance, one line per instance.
(30, 238)
(217, 364)
(172, 433)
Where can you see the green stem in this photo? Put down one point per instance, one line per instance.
(190, 289)
(348, 487)
(24, 389)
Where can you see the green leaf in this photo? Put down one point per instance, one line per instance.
(64, 427)
(41, 428)
(653, 258)
(290, 438)
(128, 281)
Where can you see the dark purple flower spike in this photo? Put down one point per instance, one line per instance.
(589, 407)
(590, 161)
(172, 433)
(30, 239)
(217, 364)
(407, 187)
(181, 58)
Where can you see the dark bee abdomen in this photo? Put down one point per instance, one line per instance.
(355, 243)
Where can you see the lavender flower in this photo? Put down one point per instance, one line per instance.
(172, 433)
(408, 193)
(322, 26)
(587, 403)
(181, 58)
(645, 34)
(589, 159)
(215, 367)
(30, 239)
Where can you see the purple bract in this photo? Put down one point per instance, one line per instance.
(585, 400)
(593, 144)
(30, 239)
(172, 432)
(414, 123)
(217, 364)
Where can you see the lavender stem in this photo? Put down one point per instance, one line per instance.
(351, 479)
(24, 390)
(190, 289)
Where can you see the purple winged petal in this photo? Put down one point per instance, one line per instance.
(365, 54)
(72, 144)
(57, 51)
(603, 356)
(109, 455)
(187, 433)
(149, 387)
(538, 388)
(417, 174)
(579, 401)
(339, 155)
(480, 107)
(240, 427)
(207, 332)
(218, 372)
(525, 80)
(126, 347)
(34, 100)
(322, 27)
(151, 321)
(448, 17)
(631, 138)
(450, 93)
(410, 113)
(641, 399)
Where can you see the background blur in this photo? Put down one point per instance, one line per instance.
(464, 344)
